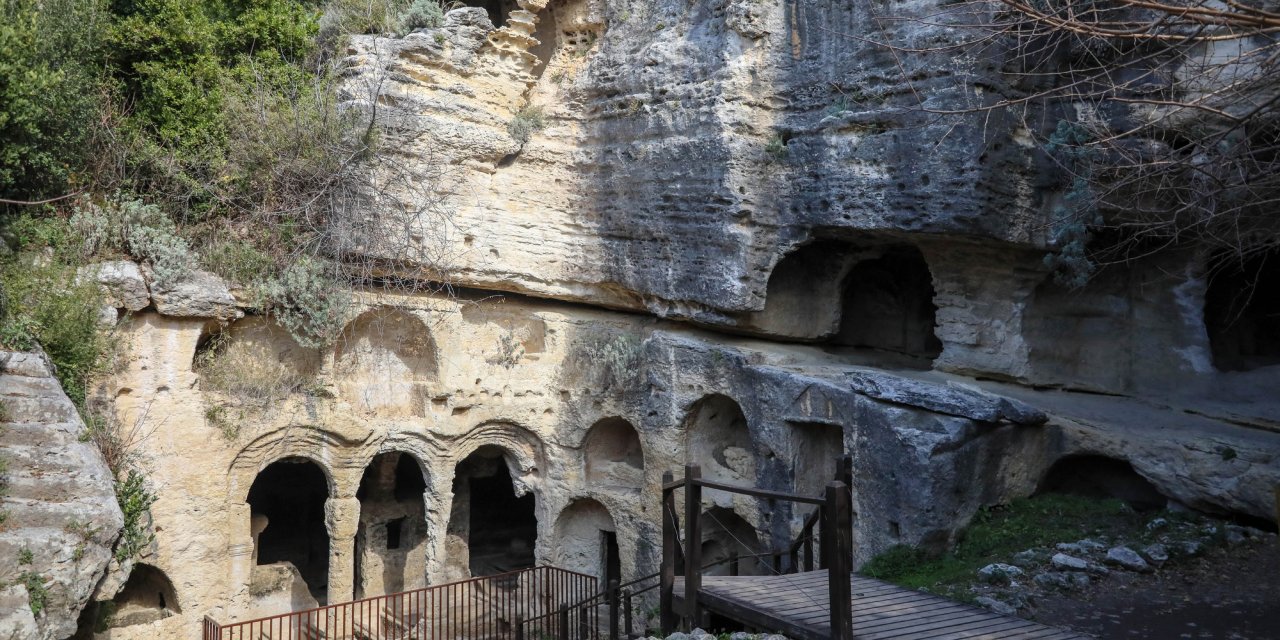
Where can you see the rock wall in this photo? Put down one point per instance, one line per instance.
(780, 263)
(58, 514)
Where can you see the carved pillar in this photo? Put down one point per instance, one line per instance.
(342, 519)
(240, 552)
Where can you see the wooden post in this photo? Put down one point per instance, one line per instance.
(777, 561)
(563, 631)
(670, 530)
(692, 543)
(583, 623)
(733, 562)
(519, 626)
(613, 609)
(808, 551)
(627, 627)
(844, 466)
(837, 553)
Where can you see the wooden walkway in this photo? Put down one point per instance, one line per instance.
(796, 605)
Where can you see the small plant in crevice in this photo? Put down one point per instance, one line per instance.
(37, 593)
(25, 557)
(247, 371)
(217, 418)
(1078, 210)
(776, 148)
(510, 351)
(528, 120)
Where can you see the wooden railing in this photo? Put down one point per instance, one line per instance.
(834, 522)
(489, 607)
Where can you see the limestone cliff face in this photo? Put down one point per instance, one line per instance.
(688, 147)
(61, 517)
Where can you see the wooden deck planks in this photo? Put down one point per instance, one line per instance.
(796, 604)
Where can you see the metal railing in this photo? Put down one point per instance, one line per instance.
(485, 608)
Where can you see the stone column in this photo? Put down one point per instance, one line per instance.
(241, 552)
(342, 519)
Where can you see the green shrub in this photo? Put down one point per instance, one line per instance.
(421, 14)
(25, 557)
(308, 301)
(135, 500)
(527, 121)
(37, 594)
(50, 309)
(50, 92)
(131, 226)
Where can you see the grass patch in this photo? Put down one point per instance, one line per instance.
(999, 532)
(247, 370)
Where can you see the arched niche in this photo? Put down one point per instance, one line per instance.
(586, 540)
(887, 304)
(803, 296)
(383, 362)
(614, 456)
(1242, 310)
(725, 532)
(718, 439)
(391, 539)
(148, 595)
(493, 526)
(253, 358)
(287, 512)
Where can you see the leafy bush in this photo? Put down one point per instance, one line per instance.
(421, 14)
(49, 92)
(527, 121)
(134, 227)
(48, 307)
(308, 302)
(135, 501)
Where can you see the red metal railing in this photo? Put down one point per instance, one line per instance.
(483, 608)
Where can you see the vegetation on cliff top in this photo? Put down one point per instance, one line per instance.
(182, 134)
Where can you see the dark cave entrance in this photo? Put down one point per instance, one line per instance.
(291, 494)
(1242, 311)
(391, 539)
(498, 10)
(1095, 476)
(888, 305)
(147, 596)
(502, 528)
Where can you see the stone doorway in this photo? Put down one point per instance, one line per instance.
(391, 542)
(491, 528)
(287, 503)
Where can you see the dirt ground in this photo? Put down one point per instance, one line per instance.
(1230, 593)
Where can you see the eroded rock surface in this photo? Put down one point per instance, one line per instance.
(61, 517)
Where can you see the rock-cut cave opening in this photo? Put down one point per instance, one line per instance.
(147, 596)
(501, 528)
(498, 10)
(392, 536)
(290, 494)
(1242, 311)
(1096, 476)
(888, 305)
